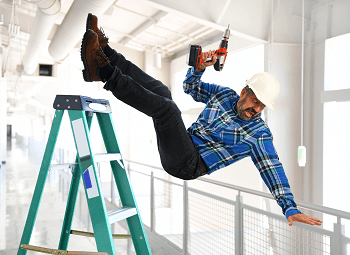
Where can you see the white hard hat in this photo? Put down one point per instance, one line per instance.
(265, 87)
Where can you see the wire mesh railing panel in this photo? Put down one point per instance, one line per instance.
(104, 172)
(169, 211)
(207, 224)
(212, 223)
(114, 193)
(142, 190)
(256, 236)
(267, 235)
(106, 190)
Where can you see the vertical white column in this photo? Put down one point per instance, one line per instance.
(186, 224)
(3, 113)
(3, 146)
(148, 62)
(238, 225)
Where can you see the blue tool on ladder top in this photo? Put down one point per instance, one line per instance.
(81, 110)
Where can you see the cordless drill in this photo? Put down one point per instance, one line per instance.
(194, 56)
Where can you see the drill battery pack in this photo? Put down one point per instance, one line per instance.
(194, 54)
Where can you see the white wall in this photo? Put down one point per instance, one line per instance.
(285, 121)
(3, 120)
(3, 113)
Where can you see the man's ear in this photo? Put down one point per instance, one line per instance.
(243, 93)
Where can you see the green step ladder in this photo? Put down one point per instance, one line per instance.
(81, 110)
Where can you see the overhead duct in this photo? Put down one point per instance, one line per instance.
(43, 23)
(73, 26)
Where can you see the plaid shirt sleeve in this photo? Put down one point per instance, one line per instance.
(271, 170)
(200, 91)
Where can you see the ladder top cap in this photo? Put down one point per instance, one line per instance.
(81, 103)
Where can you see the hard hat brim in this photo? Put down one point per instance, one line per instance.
(265, 87)
(264, 100)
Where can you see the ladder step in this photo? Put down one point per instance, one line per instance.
(100, 157)
(62, 166)
(56, 251)
(107, 157)
(89, 234)
(121, 214)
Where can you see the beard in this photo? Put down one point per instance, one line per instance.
(242, 112)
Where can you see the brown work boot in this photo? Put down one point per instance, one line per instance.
(92, 56)
(91, 23)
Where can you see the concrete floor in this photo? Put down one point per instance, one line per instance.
(17, 181)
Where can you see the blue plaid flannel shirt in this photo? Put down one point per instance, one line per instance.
(222, 138)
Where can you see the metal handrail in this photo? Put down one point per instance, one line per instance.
(157, 178)
(307, 205)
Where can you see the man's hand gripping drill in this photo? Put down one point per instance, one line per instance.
(205, 55)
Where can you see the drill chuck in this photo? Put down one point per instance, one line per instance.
(227, 33)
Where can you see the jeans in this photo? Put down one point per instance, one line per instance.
(179, 156)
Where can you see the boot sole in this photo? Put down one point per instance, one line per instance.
(86, 74)
(88, 21)
(88, 26)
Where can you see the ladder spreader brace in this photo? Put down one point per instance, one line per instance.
(81, 110)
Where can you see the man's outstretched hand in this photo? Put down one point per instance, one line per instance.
(304, 219)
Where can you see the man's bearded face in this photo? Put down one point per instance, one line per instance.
(248, 106)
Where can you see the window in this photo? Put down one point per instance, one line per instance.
(336, 140)
(336, 124)
(337, 63)
(45, 70)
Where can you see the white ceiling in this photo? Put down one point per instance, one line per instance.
(162, 25)
(157, 25)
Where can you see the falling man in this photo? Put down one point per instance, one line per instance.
(229, 128)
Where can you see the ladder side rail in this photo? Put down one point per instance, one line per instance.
(72, 199)
(94, 196)
(39, 187)
(123, 184)
(119, 172)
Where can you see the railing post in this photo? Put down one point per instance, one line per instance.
(238, 225)
(129, 242)
(112, 189)
(153, 207)
(338, 246)
(186, 227)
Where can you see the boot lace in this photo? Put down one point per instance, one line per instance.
(102, 36)
(101, 58)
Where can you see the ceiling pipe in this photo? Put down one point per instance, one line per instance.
(42, 26)
(155, 18)
(73, 26)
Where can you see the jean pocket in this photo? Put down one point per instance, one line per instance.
(185, 175)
